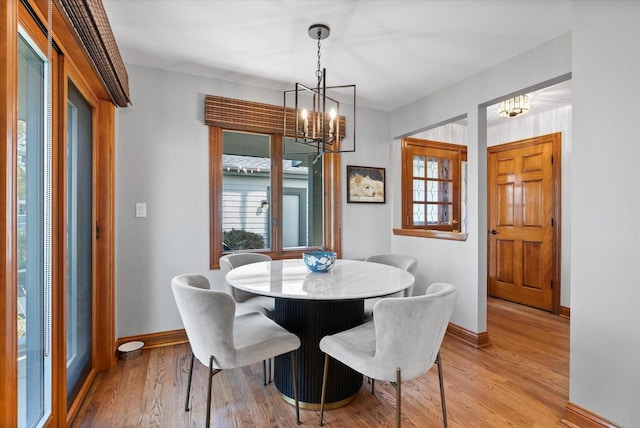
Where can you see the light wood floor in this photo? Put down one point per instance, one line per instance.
(521, 380)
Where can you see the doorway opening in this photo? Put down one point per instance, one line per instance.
(528, 248)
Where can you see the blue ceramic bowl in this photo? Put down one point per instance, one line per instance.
(319, 261)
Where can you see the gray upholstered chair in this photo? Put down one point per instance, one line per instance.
(401, 343)
(246, 302)
(202, 282)
(406, 262)
(221, 340)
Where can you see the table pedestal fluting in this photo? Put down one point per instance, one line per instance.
(311, 320)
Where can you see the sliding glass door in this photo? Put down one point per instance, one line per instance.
(33, 237)
(79, 226)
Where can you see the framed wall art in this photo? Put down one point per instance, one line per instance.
(365, 184)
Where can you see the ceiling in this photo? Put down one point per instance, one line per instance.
(395, 51)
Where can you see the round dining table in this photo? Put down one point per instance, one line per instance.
(313, 305)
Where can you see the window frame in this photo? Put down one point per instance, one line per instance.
(428, 148)
(331, 203)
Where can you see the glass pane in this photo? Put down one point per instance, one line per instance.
(79, 241)
(463, 191)
(445, 172)
(439, 191)
(418, 190)
(246, 191)
(302, 199)
(432, 191)
(432, 168)
(34, 358)
(418, 214)
(439, 214)
(439, 168)
(432, 214)
(418, 166)
(445, 214)
(446, 191)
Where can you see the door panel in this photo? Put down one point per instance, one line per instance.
(532, 262)
(79, 227)
(34, 238)
(521, 208)
(505, 200)
(531, 207)
(505, 261)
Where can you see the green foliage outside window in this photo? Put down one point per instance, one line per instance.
(240, 239)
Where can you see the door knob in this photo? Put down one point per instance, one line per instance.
(494, 232)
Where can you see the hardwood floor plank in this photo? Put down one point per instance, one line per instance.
(520, 380)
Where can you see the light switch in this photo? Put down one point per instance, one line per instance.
(141, 209)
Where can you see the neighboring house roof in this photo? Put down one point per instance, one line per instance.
(253, 164)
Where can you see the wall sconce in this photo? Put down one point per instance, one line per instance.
(264, 205)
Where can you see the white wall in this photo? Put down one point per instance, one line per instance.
(465, 263)
(605, 262)
(162, 159)
(364, 230)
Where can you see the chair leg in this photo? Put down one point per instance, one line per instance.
(295, 385)
(208, 424)
(212, 373)
(373, 385)
(186, 402)
(444, 404)
(324, 386)
(269, 370)
(398, 397)
(264, 372)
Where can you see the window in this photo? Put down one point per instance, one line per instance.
(34, 237)
(268, 193)
(432, 185)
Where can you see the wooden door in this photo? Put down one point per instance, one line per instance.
(523, 189)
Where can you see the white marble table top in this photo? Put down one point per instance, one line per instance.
(349, 279)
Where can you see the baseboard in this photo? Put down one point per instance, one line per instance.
(176, 337)
(584, 418)
(477, 340)
(157, 340)
(565, 312)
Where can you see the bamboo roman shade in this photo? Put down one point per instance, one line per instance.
(89, 20)
(250, 116)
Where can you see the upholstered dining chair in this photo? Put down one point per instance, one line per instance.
(246, 302)
(401, 343)
(402, 261)
(221, 340)
(202, 282)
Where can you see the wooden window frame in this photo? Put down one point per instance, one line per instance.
(427, 148)
(331, 203)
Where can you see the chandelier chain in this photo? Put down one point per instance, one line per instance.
(318, 71)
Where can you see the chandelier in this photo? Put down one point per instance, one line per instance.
(312, 115)
(514, 106)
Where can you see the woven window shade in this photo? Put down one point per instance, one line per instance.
(250, 116)
(89, 20)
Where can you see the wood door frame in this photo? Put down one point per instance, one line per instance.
(556, 165)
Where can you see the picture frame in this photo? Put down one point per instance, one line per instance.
(365, 184)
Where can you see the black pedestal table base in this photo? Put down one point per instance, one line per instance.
(311, 320)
